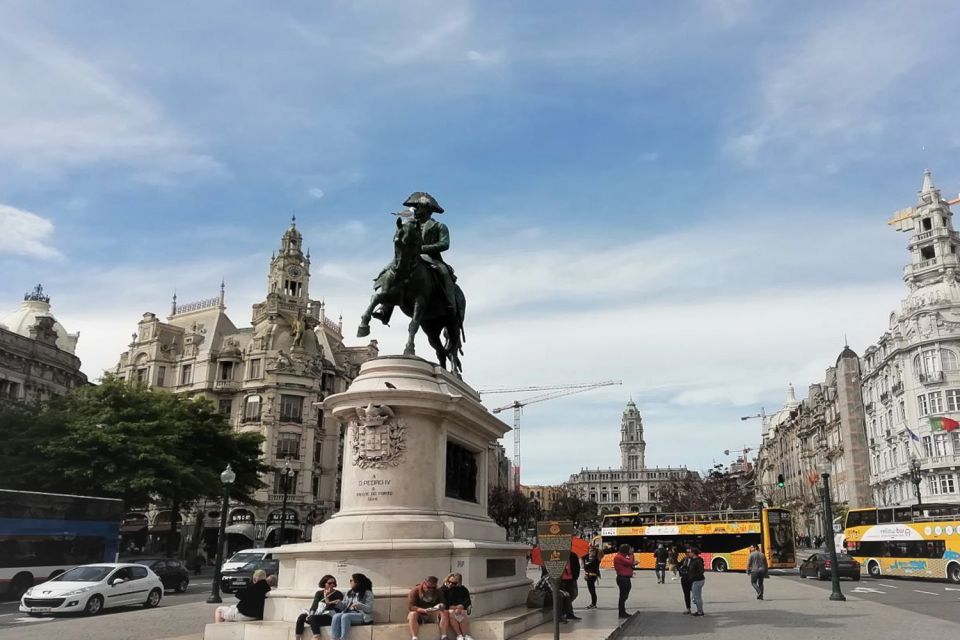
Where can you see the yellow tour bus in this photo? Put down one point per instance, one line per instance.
(723, 537)
(920, 541)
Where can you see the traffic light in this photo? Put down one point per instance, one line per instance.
(780, 481)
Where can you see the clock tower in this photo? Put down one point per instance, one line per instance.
(290, 269)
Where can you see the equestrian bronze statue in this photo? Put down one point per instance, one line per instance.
(421, 283)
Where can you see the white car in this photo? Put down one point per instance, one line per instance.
(93, 588)
(241, 558)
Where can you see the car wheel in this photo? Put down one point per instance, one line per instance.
(821, 576)
(20, 583)
(719, 565)
(184, 583)
(953, 573)
(94, 605)
(153, 599)
(873, 568)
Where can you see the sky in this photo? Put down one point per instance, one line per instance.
(688, 197)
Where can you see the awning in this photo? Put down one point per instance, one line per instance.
(242, 528)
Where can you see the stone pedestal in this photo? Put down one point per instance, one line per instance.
(404, 514)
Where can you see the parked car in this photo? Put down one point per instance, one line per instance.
(172, 573)
(818, 566)
(93, 588)
(241, 558)
(237, 579)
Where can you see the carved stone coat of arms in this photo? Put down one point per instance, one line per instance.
(379, 439)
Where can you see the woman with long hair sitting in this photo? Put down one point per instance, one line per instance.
(355, 608)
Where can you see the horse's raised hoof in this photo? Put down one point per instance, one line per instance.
(363, 331)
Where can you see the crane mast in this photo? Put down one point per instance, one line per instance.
(556, 391)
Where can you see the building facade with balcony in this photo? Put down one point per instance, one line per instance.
(267, 378)
(37, 357)
(633, 487)
(912, 373)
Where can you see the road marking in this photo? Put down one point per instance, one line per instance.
(929, 593)
(22, 620)
(4, 615)
(866, 590)
(951, 589)
(891, 586)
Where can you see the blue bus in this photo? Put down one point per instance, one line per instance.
(44, 534)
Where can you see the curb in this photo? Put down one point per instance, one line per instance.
(617, 633)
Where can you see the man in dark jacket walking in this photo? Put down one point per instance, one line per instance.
(660, 557)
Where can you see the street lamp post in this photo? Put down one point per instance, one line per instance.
(285, 476)
(828, 531)
(916, 477)
(227, 478)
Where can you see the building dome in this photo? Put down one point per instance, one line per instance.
(36, 304)
(847, 353)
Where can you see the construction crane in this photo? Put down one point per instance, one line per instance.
(556, 391)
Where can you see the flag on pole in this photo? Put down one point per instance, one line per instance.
(944, 424)
(913, 436)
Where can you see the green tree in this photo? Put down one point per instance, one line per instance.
(511, 509)
(568, 506)
(122, 441)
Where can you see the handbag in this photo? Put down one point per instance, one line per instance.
(541, 596)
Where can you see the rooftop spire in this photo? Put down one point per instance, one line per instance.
(791, 400)
(927, 185)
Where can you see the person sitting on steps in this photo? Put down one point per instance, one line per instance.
(425, 603)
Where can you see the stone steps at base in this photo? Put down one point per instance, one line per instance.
(499, 625)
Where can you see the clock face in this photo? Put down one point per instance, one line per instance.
(294, 272)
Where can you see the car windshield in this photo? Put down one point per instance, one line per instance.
(84, 574)
(246, 557)
(251, 566)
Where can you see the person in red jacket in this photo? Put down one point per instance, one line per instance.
(624, 564)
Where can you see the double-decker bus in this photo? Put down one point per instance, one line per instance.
(44, 534)
(723, 537)
(920, 541)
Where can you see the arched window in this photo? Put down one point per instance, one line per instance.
(948, 359)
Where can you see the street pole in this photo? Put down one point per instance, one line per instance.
(828, 534)
(227, 478)
(555, 584)
(285, 485)
(916, 477)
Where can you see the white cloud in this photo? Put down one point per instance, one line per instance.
(315, 192)
(845, 85)
(25, 234)
(68, 113)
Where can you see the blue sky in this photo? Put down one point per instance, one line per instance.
(688, 198)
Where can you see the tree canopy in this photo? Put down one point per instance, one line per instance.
(568, 506)
(719, 489)
(123, 441)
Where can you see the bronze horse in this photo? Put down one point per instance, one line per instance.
(409, 283)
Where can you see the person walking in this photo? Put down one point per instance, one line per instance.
(660, 557)
(624, 563)
(591, 570)
(697, 578)
(684, 570)
(757, 569)
(673, 561)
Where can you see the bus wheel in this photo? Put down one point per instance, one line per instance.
(719, 565)
(20, 583)
(873, 568)
(953, 573)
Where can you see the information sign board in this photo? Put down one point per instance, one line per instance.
(554, 538)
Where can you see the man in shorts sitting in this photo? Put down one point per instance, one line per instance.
(425, 602)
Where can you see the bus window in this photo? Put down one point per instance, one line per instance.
(859, 518)
(884, 516)
(903, 514)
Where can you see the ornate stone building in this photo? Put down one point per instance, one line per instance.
(912, 374)
(36, 353)
(268, 378)
(632, 487)
(827, 426)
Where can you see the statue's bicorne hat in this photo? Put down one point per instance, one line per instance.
(422, 197)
